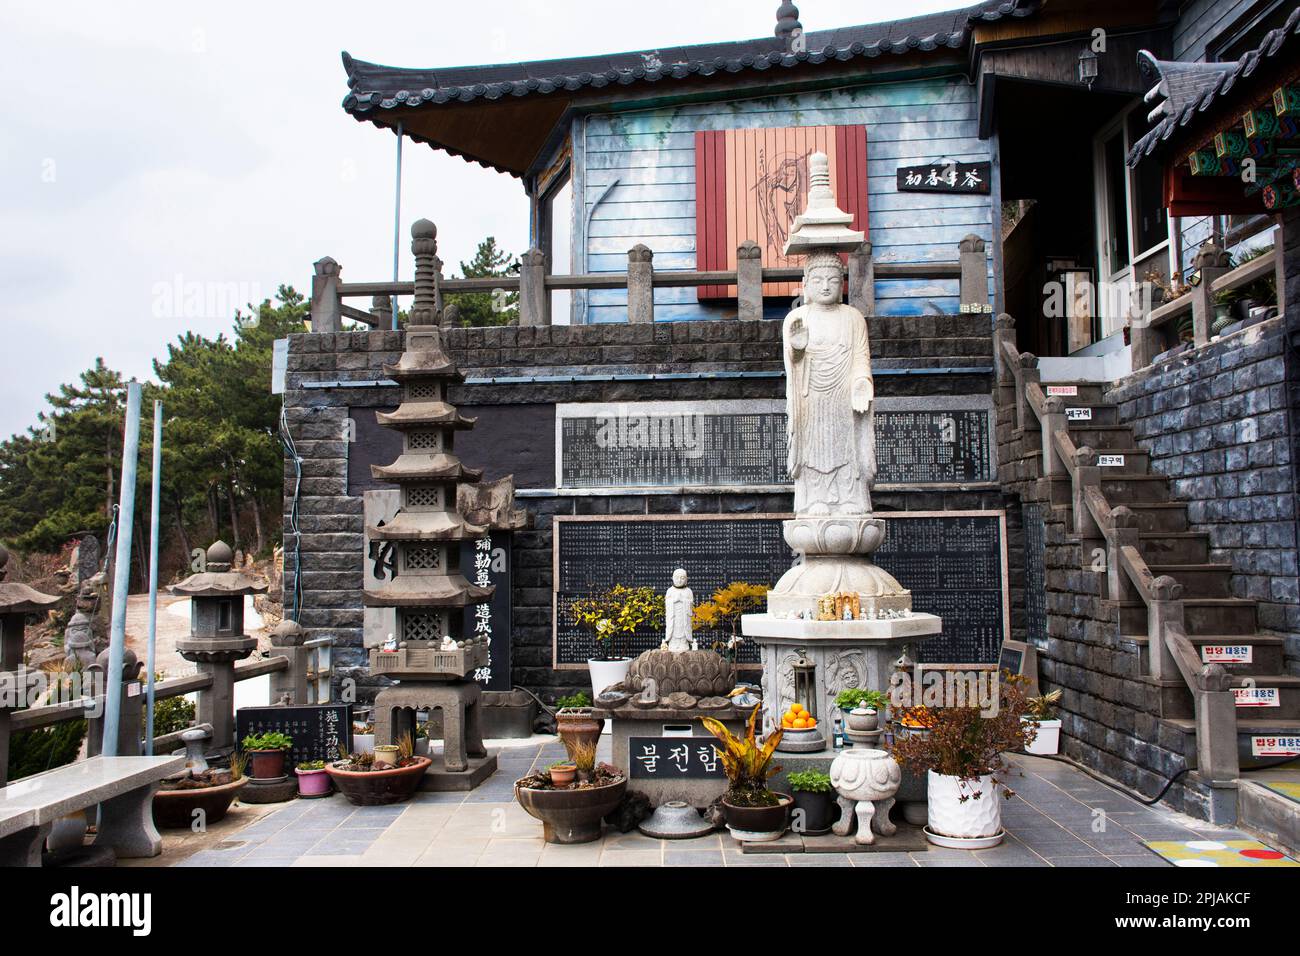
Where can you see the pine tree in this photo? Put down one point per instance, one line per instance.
(487, 308)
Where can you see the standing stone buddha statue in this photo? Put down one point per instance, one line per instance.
(829, 421)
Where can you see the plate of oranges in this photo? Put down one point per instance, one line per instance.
(798, 718)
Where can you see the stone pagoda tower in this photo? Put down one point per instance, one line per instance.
(429, 653)
(17, 600)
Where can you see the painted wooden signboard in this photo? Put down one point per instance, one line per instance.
(751, 183)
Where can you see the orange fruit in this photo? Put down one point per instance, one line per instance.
(800, 723)
(787, 722)
(812, 722)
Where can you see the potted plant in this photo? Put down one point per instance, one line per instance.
(575, 722)
(914, 722)
(205, 796)
(313, 780)
(573, 813)
(563, 773)
(814, 802)
(366, 783)
(724, 610)
(266, 754)
(1041, 711)
(857, 698)
(962, 755)
(752, 811)
(387, 755)
(619, 611)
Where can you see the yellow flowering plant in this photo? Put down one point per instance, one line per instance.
(620, 610)
(723, 612)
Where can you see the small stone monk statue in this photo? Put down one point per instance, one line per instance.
(679, 605)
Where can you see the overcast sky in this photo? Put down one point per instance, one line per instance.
(147, 147)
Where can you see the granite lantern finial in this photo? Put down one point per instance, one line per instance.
(787, 20)
(427, 306)
(16, 602)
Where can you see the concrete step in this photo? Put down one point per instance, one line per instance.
(1249, 727)
(1124, 460)
(1084, 393)
(1124, 489)
(1271, 816)
(1100, 436)
(1264, 650)
(1287, 695)
(1103, 413)
(1201, 616)
(1174, 547)
(1158, 515)
(1199, 580)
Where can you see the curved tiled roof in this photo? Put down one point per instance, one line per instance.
(374, 87)
(1191, 89)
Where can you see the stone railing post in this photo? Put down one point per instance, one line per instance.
(1216, 727)
(381, 307)
(749, 281)
(289, 686)
(974, 275)
(426, 308)
(326, 316)
(216, 705)
(130, 718)
(534, 301)
(1053, 421)
(1123, 534)
(1210, 263)
(1086, 475)
(1026, 373)
(862, 280)
(1004, 338)
(640, 284)
(1165, 610)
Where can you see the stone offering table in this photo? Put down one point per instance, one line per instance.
(846, 654)
(673, 727)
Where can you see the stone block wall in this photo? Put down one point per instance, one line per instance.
(1217, 423)
(532, 366)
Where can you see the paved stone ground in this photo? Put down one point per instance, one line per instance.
(1049, 823)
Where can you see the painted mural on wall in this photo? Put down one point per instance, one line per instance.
(752, 183)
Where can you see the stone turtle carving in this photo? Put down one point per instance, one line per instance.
(698, 673)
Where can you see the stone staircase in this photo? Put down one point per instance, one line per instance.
(1213, 618)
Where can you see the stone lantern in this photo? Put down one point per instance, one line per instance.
(217, 637)
(16, 602)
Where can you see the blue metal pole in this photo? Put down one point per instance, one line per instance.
(153, 575)
(121, 571)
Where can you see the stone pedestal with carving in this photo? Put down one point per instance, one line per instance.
(846, 654)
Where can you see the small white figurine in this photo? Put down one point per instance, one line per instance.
(390, 645)
(679, 605)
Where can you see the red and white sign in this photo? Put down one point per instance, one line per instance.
(1257, 696)
(1287, 746)
(1063, 390)
(1227, 653)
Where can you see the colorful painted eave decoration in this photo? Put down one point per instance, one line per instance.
(1263, 150)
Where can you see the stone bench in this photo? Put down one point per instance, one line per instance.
(123, 787)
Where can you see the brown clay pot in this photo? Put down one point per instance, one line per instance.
(759, 820)
(174, 809)
(571, 816)
(576, 725)
(375, 788)
(563, 775)
(266, 764)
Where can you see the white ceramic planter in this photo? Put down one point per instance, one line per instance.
(951, 817)
(363, 743)
(607, 673)
(1048, 740)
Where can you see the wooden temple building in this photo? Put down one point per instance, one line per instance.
(1081, 284)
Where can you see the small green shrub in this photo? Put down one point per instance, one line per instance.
(273, 740)
(854, 697)
(810, 781)
(312, 765)
(35, 751)
(171, 714)
(580, 699)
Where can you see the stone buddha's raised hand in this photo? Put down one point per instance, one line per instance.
(864, 393)
(798, 332)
